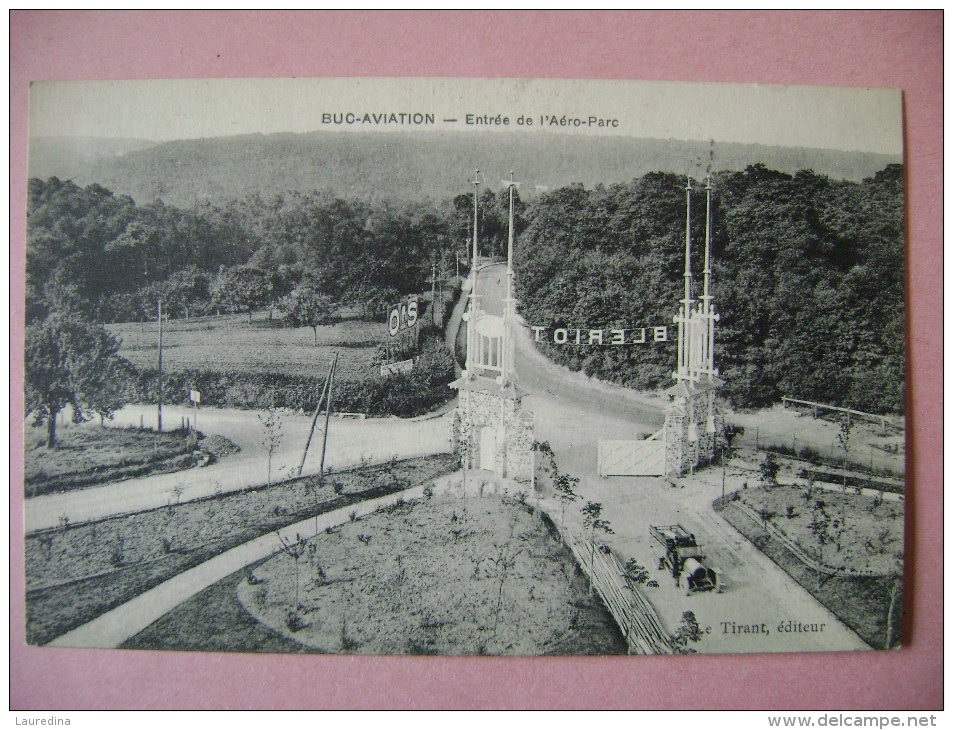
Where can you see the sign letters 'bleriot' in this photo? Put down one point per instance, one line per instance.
(567, 336)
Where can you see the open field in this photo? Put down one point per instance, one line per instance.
(87, 455)
(794, 432)
(75, 573)
(230, 344)
(442, 576)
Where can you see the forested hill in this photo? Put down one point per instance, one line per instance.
(398, 166)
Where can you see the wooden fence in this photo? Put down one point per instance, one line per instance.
(877, 418)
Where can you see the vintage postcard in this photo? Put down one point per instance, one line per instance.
(464, 367)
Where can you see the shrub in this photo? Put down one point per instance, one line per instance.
(260, 597)
(295, 622)
(118, 552)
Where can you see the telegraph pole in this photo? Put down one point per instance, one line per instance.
(327, 416)
(160, 366)
(471, 321)
(317, 411)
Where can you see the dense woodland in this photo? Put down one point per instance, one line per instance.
(809, 271)
(808, 278)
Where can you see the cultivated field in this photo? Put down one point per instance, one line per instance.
(230, 344)
(844, 530)
(861, 534)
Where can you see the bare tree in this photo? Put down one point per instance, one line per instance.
(271, 438)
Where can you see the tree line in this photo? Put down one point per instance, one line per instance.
(248, 254)
(808, 274)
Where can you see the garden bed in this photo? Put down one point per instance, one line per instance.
(862, 603)
(87, 455)
(844, 531)
(75, 573)
(428, 579)
(442, 576)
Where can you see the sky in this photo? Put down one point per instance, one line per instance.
(850, 119)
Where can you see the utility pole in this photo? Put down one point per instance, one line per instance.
(314, 419)
(327, 416)
(160, 366)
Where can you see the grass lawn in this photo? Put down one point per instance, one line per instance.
(74, 574)
(90, 455)
(213, 620)
(417, 578)
(230, 344)
(862, 603)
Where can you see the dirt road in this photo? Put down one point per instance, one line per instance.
(349, 443)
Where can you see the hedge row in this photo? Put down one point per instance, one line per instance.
(404, 394)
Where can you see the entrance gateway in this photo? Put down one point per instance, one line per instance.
(692, 425)
(491, 431)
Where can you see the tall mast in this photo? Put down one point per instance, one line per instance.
(684, 326)
(509, 246)
(708, 359)
(159, 429)
(507, 359)
(471, 323)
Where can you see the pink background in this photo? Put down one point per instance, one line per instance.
(883, 49)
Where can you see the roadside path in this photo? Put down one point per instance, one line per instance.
(349, 443)
(111, 629)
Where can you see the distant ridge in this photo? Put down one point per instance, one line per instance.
(65, 157)
(396, 166)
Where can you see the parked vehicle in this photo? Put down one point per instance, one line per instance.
(683, 558)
